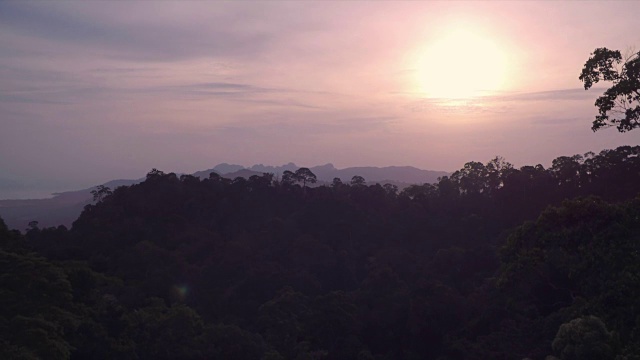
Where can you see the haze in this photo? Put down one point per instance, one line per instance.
(94, 91)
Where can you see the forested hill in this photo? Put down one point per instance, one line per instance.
(63, 208)
(491, 262)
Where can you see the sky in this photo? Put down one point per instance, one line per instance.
(95, 91)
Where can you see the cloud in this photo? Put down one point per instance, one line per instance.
(508, 104)
(158, 33)
(558, 121)
(458, 107)
(221, 88)
(9, 98)
(578, 94)
(322, 124)
(242, 92)
(287, 103)
(166, 83)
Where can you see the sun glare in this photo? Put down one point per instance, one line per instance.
(461, 64)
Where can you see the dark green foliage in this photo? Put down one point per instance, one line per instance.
(178, 267)
(36, 308)
(581, 258)
(585, 338)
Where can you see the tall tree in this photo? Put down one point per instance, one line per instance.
(288, 178)
(619, 106)
(305, 176)
(358, 180)
(100, 192)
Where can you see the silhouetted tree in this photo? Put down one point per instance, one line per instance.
(288, 178)
(620, 104)
(155, 174)
(100, 192)
(391, 189)
(304, 175)
(358, 180)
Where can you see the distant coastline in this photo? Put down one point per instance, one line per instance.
(28, 194)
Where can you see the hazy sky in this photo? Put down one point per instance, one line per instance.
(93, 91)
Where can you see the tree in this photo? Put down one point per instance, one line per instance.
(619, 106)
(155, 174)
(358, 180)
(33, 226)
(583, 339)
(162, 332)
(305, 176)
(391, 189)
(472, 178)
(288, 178)
(36, 304)
(100, 193)
(497, 169)
(260, 182)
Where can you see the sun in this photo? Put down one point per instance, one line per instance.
(461, 64)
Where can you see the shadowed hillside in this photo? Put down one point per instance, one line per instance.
(491, 262)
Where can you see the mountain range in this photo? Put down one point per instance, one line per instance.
(63, 208)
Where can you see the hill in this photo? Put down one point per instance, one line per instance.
(63, 208)
(492, 262)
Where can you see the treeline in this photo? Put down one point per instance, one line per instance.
(492, 262)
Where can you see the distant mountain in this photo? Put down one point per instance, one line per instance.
(63, 208)
(228, 170)
(274, 169)
(225, 168)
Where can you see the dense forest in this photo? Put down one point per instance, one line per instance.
(492, 262)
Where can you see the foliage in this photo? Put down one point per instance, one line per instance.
(488, 263)
(585, 338)
(36, 309)
(100, 192)
(305, 176)
(619, 106)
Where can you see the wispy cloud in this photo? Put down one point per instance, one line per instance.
(9, 98)
(286, 103)
(578, 94)
(246, 93)
(171, 34)
(319, 125)
(222, 88)
(551, 121)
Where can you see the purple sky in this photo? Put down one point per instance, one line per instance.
(93, 91)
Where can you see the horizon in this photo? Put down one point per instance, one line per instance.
(92, 92)
(26, 191)
(40, 193)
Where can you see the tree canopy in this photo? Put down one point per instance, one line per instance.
(492, 262)
(619, 106)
